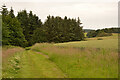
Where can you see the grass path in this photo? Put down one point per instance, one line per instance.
(35, 65)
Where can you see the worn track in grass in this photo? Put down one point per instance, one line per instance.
(33, 65)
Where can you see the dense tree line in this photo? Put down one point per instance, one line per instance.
(111, 30)
(12, 33)
(103, 32)
(29, 23)
(57, 29)
(26, 29)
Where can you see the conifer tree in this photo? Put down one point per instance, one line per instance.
(11, 13)
(12, 31)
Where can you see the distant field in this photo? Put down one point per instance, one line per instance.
(110, 42)
(81, 59)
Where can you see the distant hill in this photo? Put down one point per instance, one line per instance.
(87, 30)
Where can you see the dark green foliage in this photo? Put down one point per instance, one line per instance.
(39, 36)
(91, 34)
(29, 23)
(63, 30)
(11, 13)
(5, 29)
(111, 30)
(12, 31)
(5, 34)
(0, 30)
(16, 33)
(102, 32)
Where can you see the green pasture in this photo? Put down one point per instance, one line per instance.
(110, 42)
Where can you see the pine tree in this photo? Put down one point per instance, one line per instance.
(63, 30)
(29, 23)
(4, 11)
(5, 30)
(12, 31)
(11, 13)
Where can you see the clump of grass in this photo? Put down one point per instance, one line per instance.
(12, 67)
(100, 39)
(27, 48)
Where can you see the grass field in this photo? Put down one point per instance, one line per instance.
(110, 42)
(81, 59)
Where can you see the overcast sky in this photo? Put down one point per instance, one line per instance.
(94, 14)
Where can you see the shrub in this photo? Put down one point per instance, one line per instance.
(100, 39)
